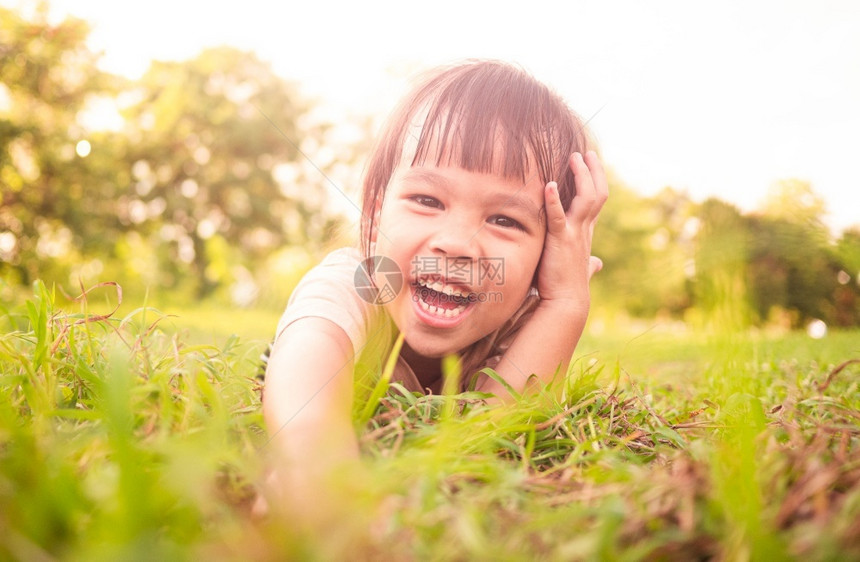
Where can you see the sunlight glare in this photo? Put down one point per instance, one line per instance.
(816, 329)
(83, 148)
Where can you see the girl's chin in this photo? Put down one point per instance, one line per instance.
(428, 350)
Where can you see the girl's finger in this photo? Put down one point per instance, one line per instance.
(595, 264)
(555, 219)
(598, 176)
(585, 196)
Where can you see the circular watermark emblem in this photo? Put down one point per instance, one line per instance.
(386, 272)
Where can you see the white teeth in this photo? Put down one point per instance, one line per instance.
(438, 311)
(448, 290)
(445, 289)
(440, 287)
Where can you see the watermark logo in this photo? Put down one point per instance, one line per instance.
(386, 272)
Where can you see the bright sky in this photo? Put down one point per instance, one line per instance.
(720, 100)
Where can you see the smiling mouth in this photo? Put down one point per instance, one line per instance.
(442, 299)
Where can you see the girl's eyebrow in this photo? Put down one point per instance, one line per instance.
(426, 175)
(513, 200)
(516, 202)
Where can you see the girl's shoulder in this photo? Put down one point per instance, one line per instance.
(337, 270)
(342, 256)
(328, 291)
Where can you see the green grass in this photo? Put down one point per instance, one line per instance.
(135, 435)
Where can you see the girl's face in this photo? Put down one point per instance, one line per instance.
(468, 245)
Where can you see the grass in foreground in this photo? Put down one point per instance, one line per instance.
(120, 440)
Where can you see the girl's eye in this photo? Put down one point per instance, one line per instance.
(427, 201)
(505, 222)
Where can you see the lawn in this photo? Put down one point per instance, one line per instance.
(138, 434)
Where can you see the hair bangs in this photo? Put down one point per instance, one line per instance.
(490, 122)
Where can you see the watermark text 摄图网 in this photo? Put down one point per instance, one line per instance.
(488, 270)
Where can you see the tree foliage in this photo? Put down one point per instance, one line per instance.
(47, 191)
(203, 144)
(644, 245)
(666, 255)
(187, 189)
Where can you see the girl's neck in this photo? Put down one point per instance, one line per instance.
(428, 370)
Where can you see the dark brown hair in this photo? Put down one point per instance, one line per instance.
(482, 116)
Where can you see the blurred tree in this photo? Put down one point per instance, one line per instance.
(202, 176)
(794, 201)
(621, 241)
(793, 265)
(673, 249)
(722, 250)
(50, 189)
(645, 244)
(848, 252)
(206, 140)
(847, 295)
(790, 269)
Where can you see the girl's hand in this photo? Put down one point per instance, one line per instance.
(566, 264)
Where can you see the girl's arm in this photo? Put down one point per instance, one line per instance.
(308, 407)
(548, 339)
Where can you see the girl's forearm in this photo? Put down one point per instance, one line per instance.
(544, 344)
(307, 408)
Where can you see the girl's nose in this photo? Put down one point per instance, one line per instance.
(455, 239)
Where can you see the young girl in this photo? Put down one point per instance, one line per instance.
(479, 204)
